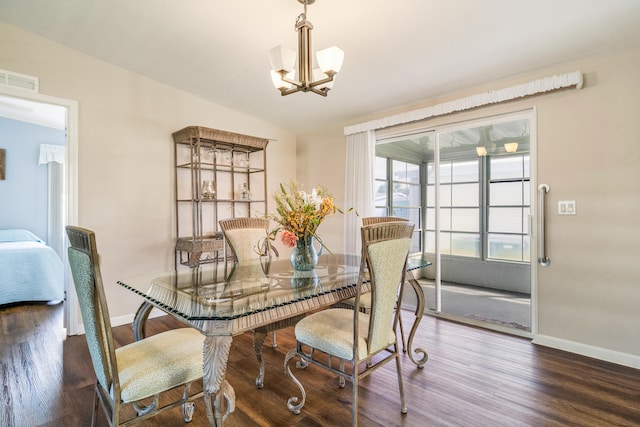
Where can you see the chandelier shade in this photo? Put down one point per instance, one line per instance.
(330, 59)
(305, 78)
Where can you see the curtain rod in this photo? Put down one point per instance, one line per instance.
(545, 84)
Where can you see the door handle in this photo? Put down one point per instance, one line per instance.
(543, 259)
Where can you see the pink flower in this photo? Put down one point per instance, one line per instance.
(288, 239)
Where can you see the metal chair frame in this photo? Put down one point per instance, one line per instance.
(103, 353)
(361, 364)
(369, 220)
(259, 250)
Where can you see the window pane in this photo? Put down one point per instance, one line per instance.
(466, 171)
(445, 219)
(507, 247)
(526, 249)
(445, 172)
(525, 158)
(431, 219)
(430, 242)
(381, 193)
(400, 196)
(381, 212)
(505, 220)
(527, 193)
(413, 173)
(381, 168)
(445, 243)
(505, 193)
(525, 220)
(415, 243)
(431, 176)
(506, 167)
(412, 214)
(399, 171)
(465, 219)
(405, 172)
(445, 195)
(431, 195)
(465, 244)
(414, 195)
(465, 195)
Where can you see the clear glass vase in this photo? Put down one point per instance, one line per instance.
(304, 256)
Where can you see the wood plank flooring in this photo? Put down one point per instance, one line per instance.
(474, 377)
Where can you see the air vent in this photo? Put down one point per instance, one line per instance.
(20, 81)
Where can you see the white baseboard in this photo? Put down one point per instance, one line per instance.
(123, 320)
(599, 353)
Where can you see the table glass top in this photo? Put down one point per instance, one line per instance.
(232, 290)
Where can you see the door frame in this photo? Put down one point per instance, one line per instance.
(70, 188)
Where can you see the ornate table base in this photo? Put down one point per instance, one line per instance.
(419, 312)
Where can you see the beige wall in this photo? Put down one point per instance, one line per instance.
(588, 150)
(125, 152)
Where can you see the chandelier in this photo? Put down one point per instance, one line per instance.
(282, 59)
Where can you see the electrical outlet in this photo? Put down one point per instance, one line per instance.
(567, 207)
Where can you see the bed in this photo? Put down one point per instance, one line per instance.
(29, 269)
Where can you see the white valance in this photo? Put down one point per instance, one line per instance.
(51, 153)
(518, 91)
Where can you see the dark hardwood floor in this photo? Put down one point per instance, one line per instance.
(474, 377)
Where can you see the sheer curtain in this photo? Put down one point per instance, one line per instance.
(359, 185)
(53, 156)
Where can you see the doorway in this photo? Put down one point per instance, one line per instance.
(467, 188)
(50, 111)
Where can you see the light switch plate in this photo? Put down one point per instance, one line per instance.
(567, 207)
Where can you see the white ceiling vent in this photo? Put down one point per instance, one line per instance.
(20, 81)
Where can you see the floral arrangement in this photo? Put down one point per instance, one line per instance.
(298, 213)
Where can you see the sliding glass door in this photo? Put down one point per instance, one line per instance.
(467, 188)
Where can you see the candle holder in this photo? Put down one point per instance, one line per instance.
(208, 190)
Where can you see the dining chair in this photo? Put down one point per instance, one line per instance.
(134, 374)
(365, 301)
(247, 240)
(365, 341)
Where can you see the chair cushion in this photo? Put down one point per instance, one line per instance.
(159, 362)
(331, 331)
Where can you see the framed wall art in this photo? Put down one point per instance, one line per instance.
(3, 157)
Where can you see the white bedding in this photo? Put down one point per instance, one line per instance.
(29, 269)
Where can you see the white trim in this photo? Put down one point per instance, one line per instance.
(545, 84)
(599, 353)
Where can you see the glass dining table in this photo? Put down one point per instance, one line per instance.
(227, 299)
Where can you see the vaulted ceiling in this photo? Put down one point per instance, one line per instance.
(396, 52)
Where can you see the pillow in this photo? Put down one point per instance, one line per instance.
(18, 235)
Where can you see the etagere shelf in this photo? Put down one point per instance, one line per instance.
(218, 175)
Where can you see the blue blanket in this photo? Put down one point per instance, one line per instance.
(29, 269)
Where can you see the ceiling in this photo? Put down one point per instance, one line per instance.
(396, 52)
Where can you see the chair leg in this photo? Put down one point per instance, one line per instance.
(404, 344)
(94, 415)
(403, 405)
(188, 408)
(274, 344)
(355, 383)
